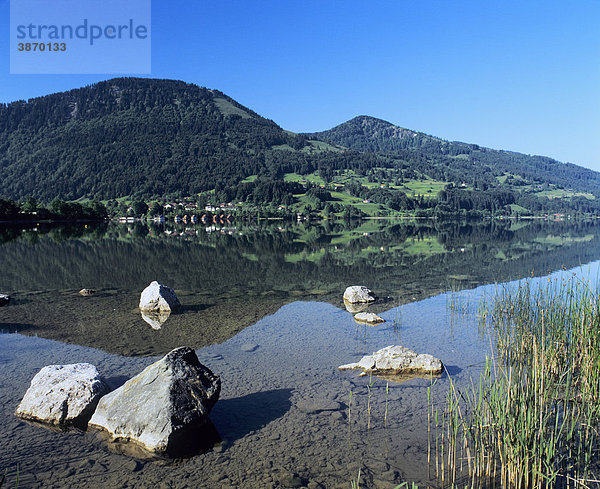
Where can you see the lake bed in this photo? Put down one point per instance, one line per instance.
(286, 416)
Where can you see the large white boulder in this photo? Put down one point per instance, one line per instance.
(358, 293)
(395, 359)
(158, 406)
(63, 394)
(158, 298)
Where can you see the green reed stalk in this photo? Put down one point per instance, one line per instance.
(533, 419)
(387, 395)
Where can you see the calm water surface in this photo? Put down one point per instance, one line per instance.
(263, 309)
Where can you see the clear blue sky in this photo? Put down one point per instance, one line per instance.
(518, 75)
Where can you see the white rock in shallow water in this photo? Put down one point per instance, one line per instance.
(397, 360)
(368, 317)
(158, 298)
(159, 406)
(358, 293)
(63, 394)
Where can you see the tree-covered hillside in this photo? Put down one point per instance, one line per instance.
(453, 161)
(132, 136)
(148, 139)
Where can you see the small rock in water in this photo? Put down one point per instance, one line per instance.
(63, 394)
(290, 480)
(337, 416)
(358, 293)
(368, 317)
(158, 298)
(397, 360)
(4, 299)
(87, 292)
(317, 405)
(249, 347)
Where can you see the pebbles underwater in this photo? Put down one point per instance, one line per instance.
(286, 416)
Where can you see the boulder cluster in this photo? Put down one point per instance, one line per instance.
(156, 409)
(393, 360)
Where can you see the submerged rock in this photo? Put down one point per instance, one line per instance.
(4, 299)
(158, 298)
(318, 405)
(63, 394)
(358, 293)
(160, 406)
(87, 292)
(155, 319)
(397, 360)
(368, 317)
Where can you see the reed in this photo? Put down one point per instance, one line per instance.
(355, 483)
(532, 418)
(3, 478)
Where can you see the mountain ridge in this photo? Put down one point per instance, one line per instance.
(369, 134)
(150, 138)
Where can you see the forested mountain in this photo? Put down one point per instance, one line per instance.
(451, 161)
(152, 139)
(141, 137)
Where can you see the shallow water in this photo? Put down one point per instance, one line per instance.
(265, 414)
(286, 416)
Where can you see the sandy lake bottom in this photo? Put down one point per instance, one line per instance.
(286, 416)
(264, 312)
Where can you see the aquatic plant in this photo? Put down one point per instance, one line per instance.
(458, 300)
(387, 395)
(533, 417)
(3, 478)
(355, 483)
(370, 398)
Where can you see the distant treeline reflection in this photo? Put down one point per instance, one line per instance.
(417, 259)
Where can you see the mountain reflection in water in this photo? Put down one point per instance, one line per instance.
(229, 278)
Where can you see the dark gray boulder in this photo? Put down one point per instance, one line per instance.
(159, 406)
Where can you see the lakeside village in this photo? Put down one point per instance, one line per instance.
(188, 210)
(223, 213)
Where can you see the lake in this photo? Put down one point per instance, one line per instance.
(262, 306)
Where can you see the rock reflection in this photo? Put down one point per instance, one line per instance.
(254, 271)
(355, 308)
(156, 319)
